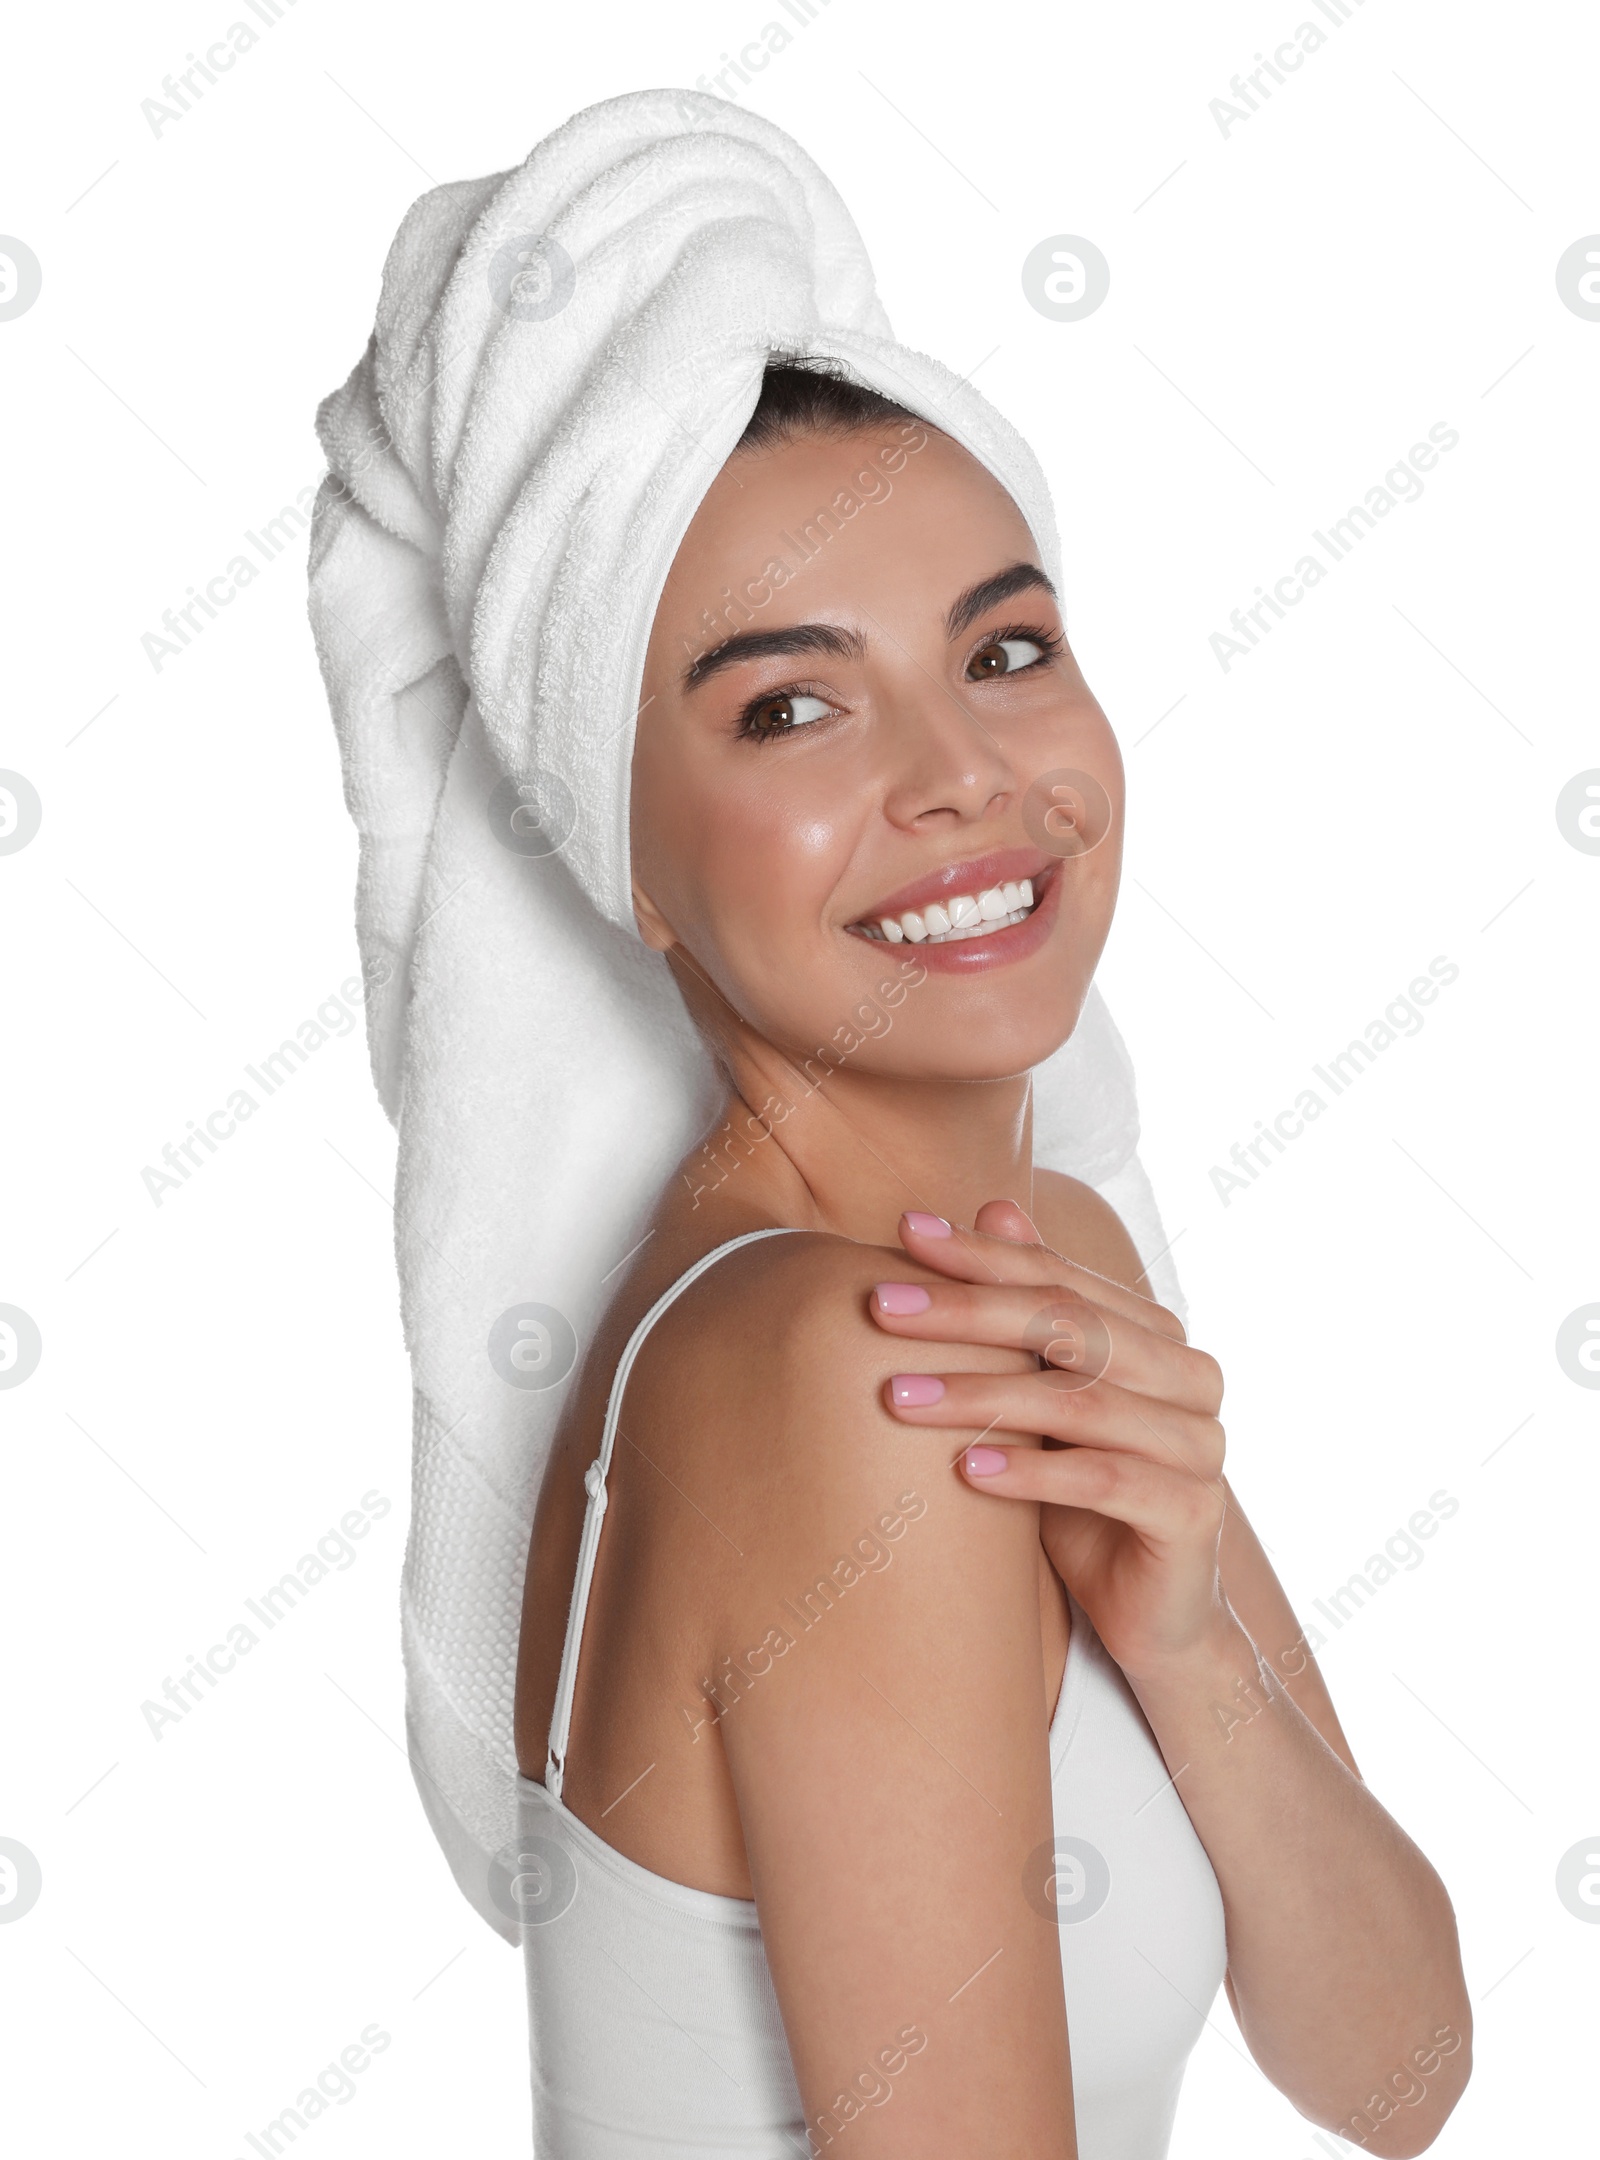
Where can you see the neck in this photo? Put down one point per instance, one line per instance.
(848, 1151)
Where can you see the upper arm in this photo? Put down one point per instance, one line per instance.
(884, 1728)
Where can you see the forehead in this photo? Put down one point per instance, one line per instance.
(896, 510)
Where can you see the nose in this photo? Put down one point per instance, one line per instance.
(946, 766)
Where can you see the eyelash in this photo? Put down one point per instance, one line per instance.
(1050, 642)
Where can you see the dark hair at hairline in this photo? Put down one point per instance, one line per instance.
(803, 396)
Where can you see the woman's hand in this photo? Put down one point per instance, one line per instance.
(1130, 1475)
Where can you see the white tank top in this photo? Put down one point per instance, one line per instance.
(654, 2029)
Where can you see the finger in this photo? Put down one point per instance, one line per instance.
(1103, 1417)
(1006, 1219)
(1071, 1333)
(976, 1256)
(1162, 1505)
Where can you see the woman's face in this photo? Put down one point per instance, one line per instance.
(859, 704)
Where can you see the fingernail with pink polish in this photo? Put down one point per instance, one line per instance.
(900, 1298)
(915, 1390)
(926, 1225)
(985, 1461)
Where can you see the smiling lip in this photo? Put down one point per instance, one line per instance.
(974, 876)
(1000, 948)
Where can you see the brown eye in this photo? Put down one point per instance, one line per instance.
(774, 717)
(1003, 656)
(781, 715)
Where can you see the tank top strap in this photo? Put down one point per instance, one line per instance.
(594, 1480)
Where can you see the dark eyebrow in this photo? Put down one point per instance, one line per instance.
(990, 591)
(803, 638)
(774, 644)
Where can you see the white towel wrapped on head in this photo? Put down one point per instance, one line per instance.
(563, 358)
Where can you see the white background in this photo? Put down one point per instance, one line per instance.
(1292, 305)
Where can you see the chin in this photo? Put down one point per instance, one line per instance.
(986, 1061)
(983, 1042)
(900, 1019)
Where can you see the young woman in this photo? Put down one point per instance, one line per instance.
(926, 1736)
(912, 1735)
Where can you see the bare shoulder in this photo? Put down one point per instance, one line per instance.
(769, 1390)
(770, 1375)
(1081, 1225)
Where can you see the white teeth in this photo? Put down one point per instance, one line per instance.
(998, 907)
(981, 929)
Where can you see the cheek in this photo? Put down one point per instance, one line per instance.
(755, 879)
(1093, 743)
(767, 854)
